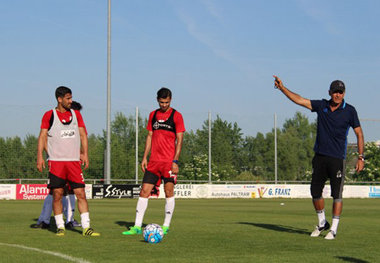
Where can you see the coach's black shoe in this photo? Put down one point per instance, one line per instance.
(41, 225)
(318, 230)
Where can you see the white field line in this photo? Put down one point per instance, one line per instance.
(66, 257)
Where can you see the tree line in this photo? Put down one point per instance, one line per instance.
(235, 157)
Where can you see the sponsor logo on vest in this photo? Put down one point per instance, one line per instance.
(157, 125)
(67, 134)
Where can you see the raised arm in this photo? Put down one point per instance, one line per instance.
(297, 99)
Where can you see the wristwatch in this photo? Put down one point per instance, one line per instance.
(361, 157)
(175, 161)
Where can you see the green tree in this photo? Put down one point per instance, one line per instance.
(371, 171)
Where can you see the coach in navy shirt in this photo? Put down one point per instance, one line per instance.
(335, 117)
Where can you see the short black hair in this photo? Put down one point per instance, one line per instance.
(76, 105)
(61, 91)
(164, 93)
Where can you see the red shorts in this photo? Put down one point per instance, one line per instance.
(70, 171)
(163, 170)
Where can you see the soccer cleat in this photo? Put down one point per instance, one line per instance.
(73, 224)
(330, 235)
(133, 231)
(90, 232)
(76, 223)
(60, 232)
(165, 229)
(318, 230)
(41, 225)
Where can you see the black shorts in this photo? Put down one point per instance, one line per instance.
(151, 178)
(57, 182)
(326, 167)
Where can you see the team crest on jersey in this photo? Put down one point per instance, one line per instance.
(68, 134)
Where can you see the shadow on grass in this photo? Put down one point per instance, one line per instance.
(127, 224)
(53, 228)
(279, 228)
(354, 260)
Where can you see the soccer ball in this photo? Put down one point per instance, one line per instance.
(153, 233)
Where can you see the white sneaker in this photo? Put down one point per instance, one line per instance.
(318, 230)
(330, 235)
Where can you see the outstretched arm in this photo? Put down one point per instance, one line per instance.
(297, 99)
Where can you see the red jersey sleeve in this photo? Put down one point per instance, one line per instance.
(45, 123)
(179, 123)
(149, 125)
(80, 120)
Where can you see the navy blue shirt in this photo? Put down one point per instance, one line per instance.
(333, 127)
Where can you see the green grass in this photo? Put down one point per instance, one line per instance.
(221, 230)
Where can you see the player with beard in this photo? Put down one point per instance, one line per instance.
(67, 148)
(164, 142)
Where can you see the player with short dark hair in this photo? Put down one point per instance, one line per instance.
(335, 117)
(68, 201)
(67, 148)
(164, 142)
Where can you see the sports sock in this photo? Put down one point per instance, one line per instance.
(85, 220)
(141, 206)
(59, 221)
(321, 217)
(70, 208)
(64, 206)
(47, 208)
(169, 209)
(335, 223)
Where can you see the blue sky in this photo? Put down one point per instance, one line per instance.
(216, 56)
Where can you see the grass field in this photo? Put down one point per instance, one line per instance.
(221, 230)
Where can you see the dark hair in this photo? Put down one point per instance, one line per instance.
(164, 93)
(76, 105)
(61, 91)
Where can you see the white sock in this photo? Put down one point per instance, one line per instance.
(64, 207)
(70, 208)
(335, 223)
(85, 220)
(59, 221)
(321, 218)
(142, 204)
(169, 209)
(47, 208)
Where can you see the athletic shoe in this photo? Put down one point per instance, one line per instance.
(90, 232)
(135, 230)
(41, 225)
(330, 235)
(72, 224)
(165, 229)
(76, 223)
(69, 225)
(60, 232)
(318, 230)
